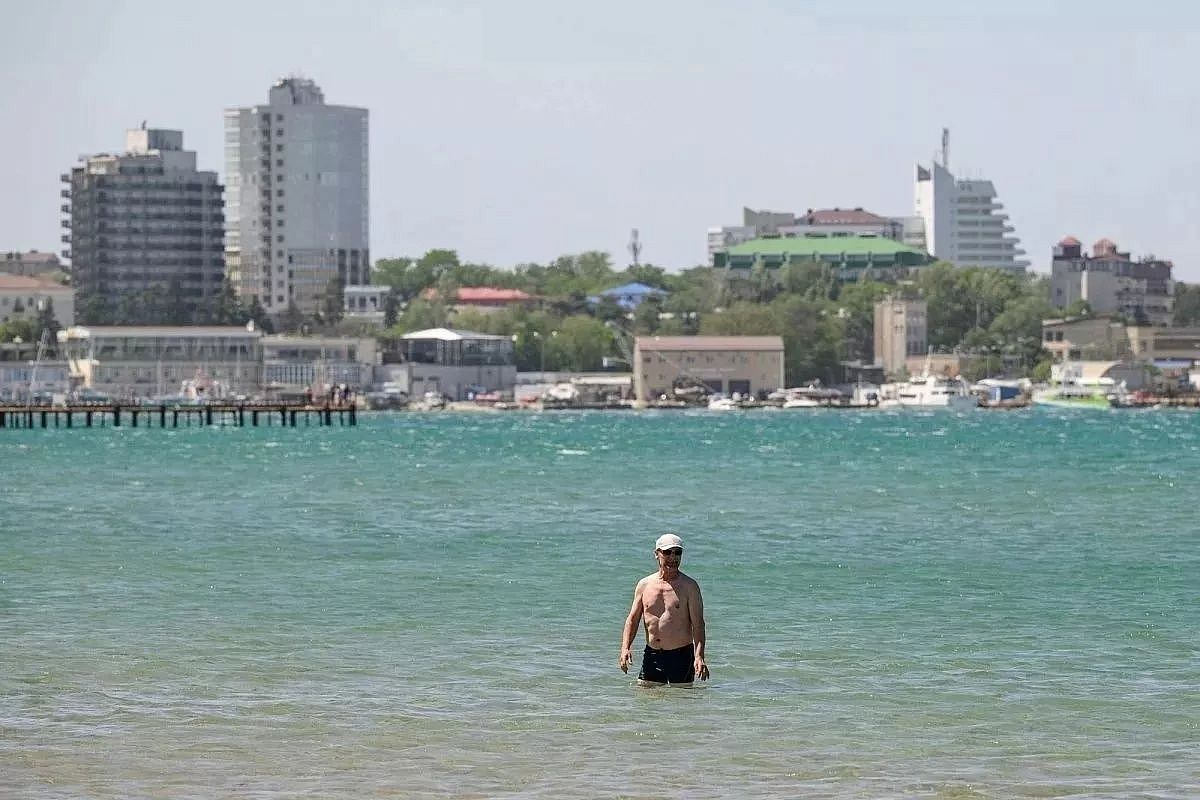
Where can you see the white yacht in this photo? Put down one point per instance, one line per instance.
(929, 391)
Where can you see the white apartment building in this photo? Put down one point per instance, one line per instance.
(297, 197)
(964, 222)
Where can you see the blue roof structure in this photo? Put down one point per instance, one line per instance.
(630, 295)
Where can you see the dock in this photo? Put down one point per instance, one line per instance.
(240, 415)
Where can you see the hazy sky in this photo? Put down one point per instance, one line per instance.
(521, 130)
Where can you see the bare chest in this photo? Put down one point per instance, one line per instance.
(664, 600)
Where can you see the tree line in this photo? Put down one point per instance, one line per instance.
(992, 314)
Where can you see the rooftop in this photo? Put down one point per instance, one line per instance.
(634, 288)
(450, 335)
(842, 216)
(148, 331)
(822, 246)
(23, 283)
(714, 343)
(480, 294)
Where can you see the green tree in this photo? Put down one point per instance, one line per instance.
(94, 310)
(1079, 308)
(259, 316)
(580, 346)
(24, 329)
(422, 314)
(228, 309)
(741, 319)
(391, 307)
(1187, 305)
(607, 309)
(292, 320)
(812, 337)
(174, 306)
(648, 274)
(645, 316)
(333, 301)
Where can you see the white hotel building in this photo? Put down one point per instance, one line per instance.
(964, 222)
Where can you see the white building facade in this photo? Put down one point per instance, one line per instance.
(964, 222)
(297, 197)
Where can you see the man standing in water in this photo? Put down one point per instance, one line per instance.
(669, 603)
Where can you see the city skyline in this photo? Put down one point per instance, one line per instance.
(525, 133)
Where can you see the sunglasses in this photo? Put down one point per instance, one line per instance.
(674, 551)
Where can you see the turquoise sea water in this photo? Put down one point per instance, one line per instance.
(899, 605)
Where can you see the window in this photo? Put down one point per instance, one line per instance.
(278, 148)
(279, 193)
(279, 238)
(279, 162)
(279, 209)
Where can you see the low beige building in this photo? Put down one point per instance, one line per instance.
(748, 365)
(1157, 344)
(1085, 338)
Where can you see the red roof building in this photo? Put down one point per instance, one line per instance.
(483, 297)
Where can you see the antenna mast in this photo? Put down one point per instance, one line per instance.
(946, 148)
(635, 246)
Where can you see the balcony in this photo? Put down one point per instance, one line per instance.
(65, 208)
(65, 177)
(66, 193)
(66, 253)
(66, 238)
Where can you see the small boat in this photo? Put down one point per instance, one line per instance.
(812, 396)
(719, 402)
(1072, 391)
(1074, 396)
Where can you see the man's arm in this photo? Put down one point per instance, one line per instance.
(696, 617)
(631, 625)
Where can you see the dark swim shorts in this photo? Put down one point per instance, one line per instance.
(669, 666)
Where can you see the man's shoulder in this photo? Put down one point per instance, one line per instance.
(689, 581)
(647, 579)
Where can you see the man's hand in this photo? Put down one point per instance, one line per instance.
(701, 669)
(625, 660)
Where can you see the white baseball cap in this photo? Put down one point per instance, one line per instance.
(667, 541)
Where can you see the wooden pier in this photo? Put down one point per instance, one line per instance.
(283, 415)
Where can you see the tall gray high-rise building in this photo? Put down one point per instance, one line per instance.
(296, 199)
(146, 231)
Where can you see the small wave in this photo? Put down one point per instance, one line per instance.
(566, 452)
